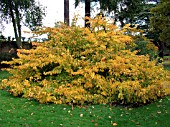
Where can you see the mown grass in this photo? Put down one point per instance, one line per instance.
(3, 74)
(21, 112)
(167, 57)
(167, 62)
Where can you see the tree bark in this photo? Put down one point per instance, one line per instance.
(66, 12)
(87, 12)
(14, 24)
(19, 43)
(122, 24)
(161, 53)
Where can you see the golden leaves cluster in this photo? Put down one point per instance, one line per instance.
(80, 65)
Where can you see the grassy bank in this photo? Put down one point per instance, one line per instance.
(167, 62)
(15, 112)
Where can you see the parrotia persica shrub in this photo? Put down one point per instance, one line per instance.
(80, 65)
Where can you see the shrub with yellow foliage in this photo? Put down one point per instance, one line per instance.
(80, 65)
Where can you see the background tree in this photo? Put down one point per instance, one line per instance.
(87, 12)
(87, 9)
(66, 12)
(144, 22)
(160, 23)
(135, 12)
(14, 11)
(125, 10)
(34, 16)
(143, 19)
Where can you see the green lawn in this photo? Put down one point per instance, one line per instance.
(3, 74)
(167, 57)
(15, 112)
(21, 112)
(167, 62)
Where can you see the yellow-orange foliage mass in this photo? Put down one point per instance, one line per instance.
(81, 65)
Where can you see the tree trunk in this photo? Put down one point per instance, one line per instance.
(87, 12)
(14, 24)
(66, 12)
(161, 53)
(122, 24)
(17, 29)
(19, 43)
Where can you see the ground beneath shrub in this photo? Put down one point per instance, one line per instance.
(23, 112)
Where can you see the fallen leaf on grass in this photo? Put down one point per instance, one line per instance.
(137, 123)
(96, 124)
(8, 110)
(27, 125)
(130, 109)
(71, 123)
(52, 111)
(92, 121)
(114, 124)
(159, 112)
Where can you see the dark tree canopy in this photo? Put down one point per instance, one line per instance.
(125, 10)
(34, 16)
(161, 21)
